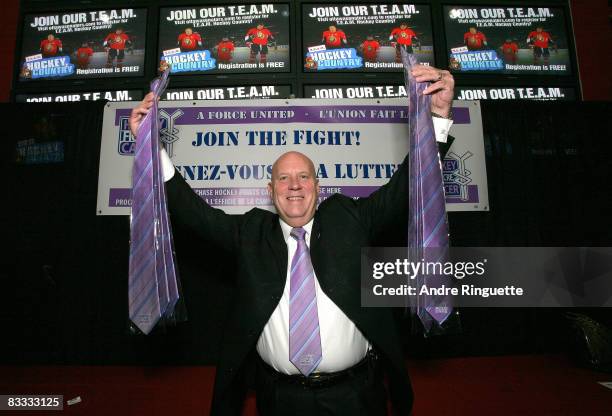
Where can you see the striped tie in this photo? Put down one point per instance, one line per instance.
(428, 228)
(304, 336)
(153, 287)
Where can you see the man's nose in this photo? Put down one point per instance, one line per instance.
(294, 183)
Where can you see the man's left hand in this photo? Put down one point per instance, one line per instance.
(441, 88)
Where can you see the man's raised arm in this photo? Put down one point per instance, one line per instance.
(186, 207)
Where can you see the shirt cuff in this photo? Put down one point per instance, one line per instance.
(441, 128)
(167, 165)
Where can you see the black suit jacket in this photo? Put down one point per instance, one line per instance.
(255, 240)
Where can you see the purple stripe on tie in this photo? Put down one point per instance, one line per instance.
(311, 339)
(303, 310)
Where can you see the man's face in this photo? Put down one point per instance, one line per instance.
(188, 31)
(332, 29)
(472, 30)
(50, 38)
(294, 189)
(259, 26)
(403, 26)
(538, 29)
(119, 31)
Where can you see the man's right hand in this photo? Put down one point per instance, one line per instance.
(141, 110)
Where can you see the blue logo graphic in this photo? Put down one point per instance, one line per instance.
(456, 175)
(190, 61)
(50, 67)
(345, 58)
(168, 133)
(478, 60)
(127, 142)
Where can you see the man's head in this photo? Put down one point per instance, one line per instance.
(332, 28)
(539, 29)
(188, 31)
(403, 25)
(84, 45)
(260, 26)
(294, 188)
(119, 30)
(50, 37)
(472, 30)
(369, 37)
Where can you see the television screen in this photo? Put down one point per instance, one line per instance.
(237, 38)
(364, 37)
(228, 93)
(508, 40)
(118, 95)
(83, 44)
(354, 91)
(515, 93)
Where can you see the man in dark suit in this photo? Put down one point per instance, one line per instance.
(350, 348)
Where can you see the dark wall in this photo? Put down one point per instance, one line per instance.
(63, 276)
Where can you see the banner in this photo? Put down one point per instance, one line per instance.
(225, 149)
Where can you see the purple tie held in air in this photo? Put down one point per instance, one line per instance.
(427, 226)
(153, 287)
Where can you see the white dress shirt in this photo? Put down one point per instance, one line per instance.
(342, 344)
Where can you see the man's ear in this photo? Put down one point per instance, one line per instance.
(270, 189)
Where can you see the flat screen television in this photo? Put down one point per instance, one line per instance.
(236, 38)
(90, 44)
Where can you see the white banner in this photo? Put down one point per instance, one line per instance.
(225, 149)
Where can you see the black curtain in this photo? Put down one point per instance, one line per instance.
(63, 273)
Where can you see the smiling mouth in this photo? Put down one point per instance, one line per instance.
(295, 198)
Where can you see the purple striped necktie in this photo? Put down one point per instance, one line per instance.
(428, 227)
(304, 335)
(153, 287)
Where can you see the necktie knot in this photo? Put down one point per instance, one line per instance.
(298, 233)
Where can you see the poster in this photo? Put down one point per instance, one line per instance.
(507, 40)
(364, 37)
(83, 44)
(237, 38)
(225, 149)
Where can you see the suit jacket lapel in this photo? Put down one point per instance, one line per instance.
(278, 247)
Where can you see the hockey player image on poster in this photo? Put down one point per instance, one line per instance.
(403, 37)
(235, 38)
(474, 39)
(115, 44)
(333, 38)
(369, 49)
(507, 40)
(83, 56)
(189, 40)
(539, 41)
(258, 38)
(50, 46)
(83, 44)
(364, 37)
(224, 50)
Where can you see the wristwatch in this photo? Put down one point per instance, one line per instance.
(449, 117)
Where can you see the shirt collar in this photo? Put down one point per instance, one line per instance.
(287, 229)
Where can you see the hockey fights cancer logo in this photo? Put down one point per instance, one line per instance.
(457, 176)
(168, 133)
